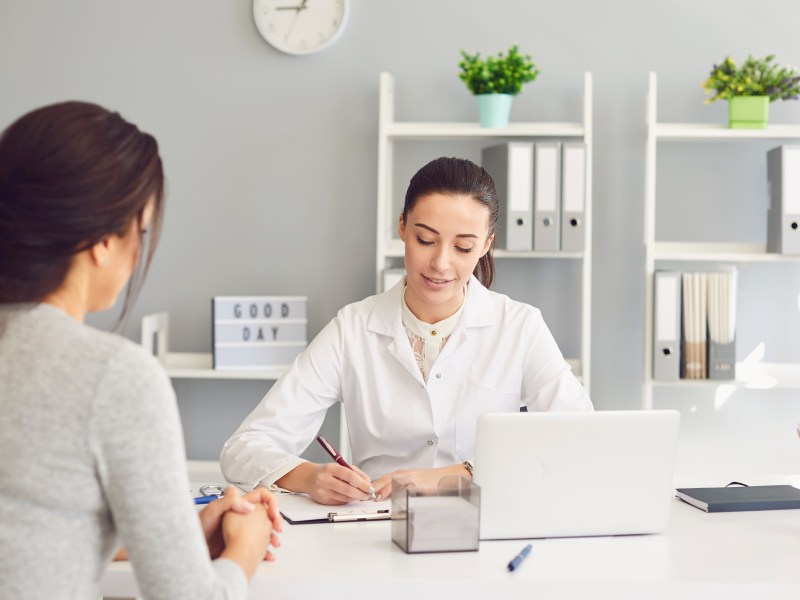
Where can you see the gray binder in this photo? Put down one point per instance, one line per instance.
(721, 360)
(511, 167)
(666, 325)
(573, 196)
(546, 197)
(783, 216)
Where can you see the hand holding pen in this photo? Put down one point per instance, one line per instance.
(334, 454)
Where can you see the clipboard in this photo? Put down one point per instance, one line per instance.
(299, 509)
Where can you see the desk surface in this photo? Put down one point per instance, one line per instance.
(744, 554)
(700, 556)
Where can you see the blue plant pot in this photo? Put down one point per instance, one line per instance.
(494, 109)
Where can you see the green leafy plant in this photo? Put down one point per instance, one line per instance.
(756, 77)
(503, 74)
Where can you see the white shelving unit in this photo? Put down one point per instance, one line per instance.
(193, 365)
(390, 131)
(759, 375)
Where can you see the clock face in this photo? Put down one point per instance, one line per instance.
(300, 26)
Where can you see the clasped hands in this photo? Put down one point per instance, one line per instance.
(254, 515)
(234, 517)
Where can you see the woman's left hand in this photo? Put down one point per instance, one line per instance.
(419, 478)
(211, 516)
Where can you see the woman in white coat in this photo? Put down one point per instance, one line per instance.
(415, 366)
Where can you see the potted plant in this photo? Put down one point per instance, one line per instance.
(495, 81)
(750, 88)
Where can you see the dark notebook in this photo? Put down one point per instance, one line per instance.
(730, 499)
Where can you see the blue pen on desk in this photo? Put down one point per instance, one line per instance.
(209, 493)
(206, 499)
(517, 560)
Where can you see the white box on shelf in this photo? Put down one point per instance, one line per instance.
(254, 332)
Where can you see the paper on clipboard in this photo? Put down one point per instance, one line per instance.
(299, 509)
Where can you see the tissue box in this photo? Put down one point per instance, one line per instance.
(444, 519)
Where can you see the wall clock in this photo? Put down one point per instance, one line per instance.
(300, 26)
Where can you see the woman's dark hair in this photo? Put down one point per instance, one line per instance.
(463, 177)
(71, 174)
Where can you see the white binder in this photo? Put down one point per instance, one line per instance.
(783, 217)
(573, 196)
(546, 197)
(666, 325)
(511, 167)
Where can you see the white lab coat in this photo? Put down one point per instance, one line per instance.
(500, 356)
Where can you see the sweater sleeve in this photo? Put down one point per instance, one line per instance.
(136, 438)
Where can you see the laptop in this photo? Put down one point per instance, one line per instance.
(575, 474)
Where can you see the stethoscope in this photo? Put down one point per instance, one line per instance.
(209, 493)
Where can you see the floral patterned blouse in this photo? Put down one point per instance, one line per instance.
(427, 340)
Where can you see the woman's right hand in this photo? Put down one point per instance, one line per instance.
(330, 483)
(247, 537)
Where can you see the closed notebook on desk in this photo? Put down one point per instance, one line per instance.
(732, 499)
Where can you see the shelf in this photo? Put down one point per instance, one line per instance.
(689, 251)
(756, 376)
(396, 249)
(750, 374)
(721, 132)
(450, 131)
(193, 365)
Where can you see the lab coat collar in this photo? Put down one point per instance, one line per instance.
(386, 316)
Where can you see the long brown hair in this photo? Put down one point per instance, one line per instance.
(71, 174)
(458, 176)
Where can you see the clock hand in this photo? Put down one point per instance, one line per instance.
(294, 21)
(302, 6)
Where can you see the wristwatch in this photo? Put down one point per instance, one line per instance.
(469, 466)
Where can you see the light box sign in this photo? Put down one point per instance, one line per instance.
(253, 332)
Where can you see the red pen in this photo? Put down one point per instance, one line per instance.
(334, 454)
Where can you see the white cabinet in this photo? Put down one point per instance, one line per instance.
(389, 252)
(751, 374)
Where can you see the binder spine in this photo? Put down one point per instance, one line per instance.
(783, 215)
(721, 360)
(511, 167)
(667, 325)
(547, 197)
(573, 197)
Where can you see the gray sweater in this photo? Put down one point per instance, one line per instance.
(91, 456)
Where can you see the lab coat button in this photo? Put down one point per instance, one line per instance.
(438, 376)
(430, 442)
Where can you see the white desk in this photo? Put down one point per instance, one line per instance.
(703, 556)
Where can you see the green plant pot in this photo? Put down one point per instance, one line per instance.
(494, 109)
(748, 112)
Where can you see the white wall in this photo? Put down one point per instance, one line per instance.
(271, 161)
